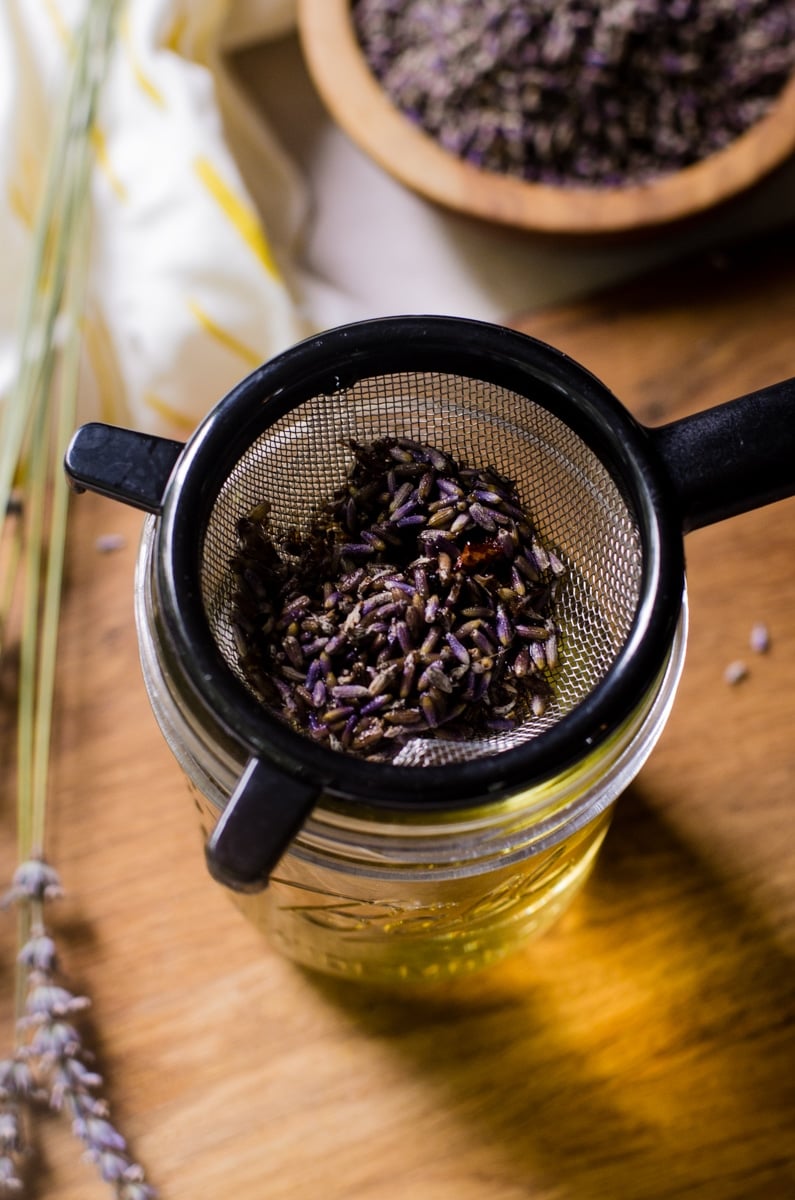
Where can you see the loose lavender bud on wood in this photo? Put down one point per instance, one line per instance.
(735, 672)
(759, 638)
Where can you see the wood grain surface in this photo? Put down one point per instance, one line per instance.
(644, 1049)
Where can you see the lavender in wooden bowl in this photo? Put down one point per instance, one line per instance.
(562, 116)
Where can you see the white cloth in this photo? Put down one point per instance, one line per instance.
(186, 291)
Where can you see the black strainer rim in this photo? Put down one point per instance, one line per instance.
(321, 365)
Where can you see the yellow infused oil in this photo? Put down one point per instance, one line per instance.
(426, 930)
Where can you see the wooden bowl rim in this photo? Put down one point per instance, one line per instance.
(363, 110)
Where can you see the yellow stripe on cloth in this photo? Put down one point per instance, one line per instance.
(164, 410)
(223, 336)
(24, 185)
(139, 75)
(241, 214)
(61, 28)
(100, 148)
(19, 206)
(172, 40)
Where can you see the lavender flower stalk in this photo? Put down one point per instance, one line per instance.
(51, 1064)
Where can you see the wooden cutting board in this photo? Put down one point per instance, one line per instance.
(645, 1049)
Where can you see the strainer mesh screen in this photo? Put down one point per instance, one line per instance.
(576, 507)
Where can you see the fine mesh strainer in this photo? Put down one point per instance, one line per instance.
(609, 495)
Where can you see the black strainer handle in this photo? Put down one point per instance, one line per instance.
(733, 458)
(263, 816)
(122, 464)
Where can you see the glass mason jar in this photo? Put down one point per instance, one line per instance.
(387, 897)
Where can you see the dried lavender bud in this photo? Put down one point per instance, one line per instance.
(363, 642)
(579, 92)
(9, 1179)
(109, 543)
(735, 672)
(16, 1079)
(38, 953)
(33, 880)
(759, 638)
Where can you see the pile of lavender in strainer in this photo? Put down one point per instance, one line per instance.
(592, 92)
(419, 603)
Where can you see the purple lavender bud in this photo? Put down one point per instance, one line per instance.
(403, 636)
(137, 1191)
(430, 642)
(98, 1134)
(46, 1000)
(556, 565)
(526, 565)
(540, 555)
(407, 675)
(522, 663)
(404, 511)
(437, 460)
(16, 1078)
(424, 487)
(34, 880)
(434, 676)
(504, 631)
(375, 602)
(9, 1179)
(483, 518)
(10, 1141)
(111, 1166)
(400, 497)
(442, 518)
(56, 1038)
(537, 654)
(483, 643)
(428, 709)
(460, 651)
(401, 585)
(349, 691)
(337, 715)
(39, 954)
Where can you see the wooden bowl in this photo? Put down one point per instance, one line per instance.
(361, 107)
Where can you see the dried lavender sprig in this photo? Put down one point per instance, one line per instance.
(51, 1064)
